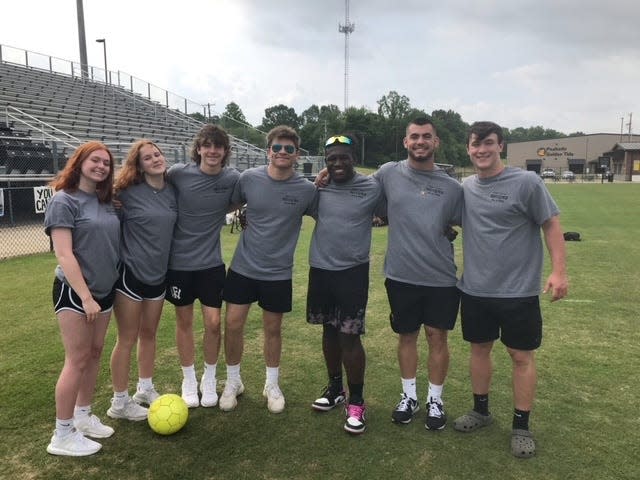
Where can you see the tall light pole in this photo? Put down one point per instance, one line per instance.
(347, 29)
(104, 48)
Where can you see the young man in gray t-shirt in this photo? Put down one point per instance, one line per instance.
(339, 276)
(505, 209)
(422, 202)
(277, 198)
(196, 268)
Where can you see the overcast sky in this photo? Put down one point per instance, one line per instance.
(570, 65)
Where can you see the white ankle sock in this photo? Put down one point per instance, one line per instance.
(82, 411)
(435, 392)
(145, 383)
(64, 427)
(409, 388)
(120, 398)
(273, 373)
(233, 371)
(210, 371)
(189, 373)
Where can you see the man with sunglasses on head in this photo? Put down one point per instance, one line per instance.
(422, 202)
(277, 197)
(339, 275)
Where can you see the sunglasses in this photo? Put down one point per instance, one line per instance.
(338, 139)
(276, 147)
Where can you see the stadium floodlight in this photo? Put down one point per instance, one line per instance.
(103, 41)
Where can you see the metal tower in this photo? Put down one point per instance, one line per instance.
(346, 28)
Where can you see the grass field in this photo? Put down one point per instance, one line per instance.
(586, 418)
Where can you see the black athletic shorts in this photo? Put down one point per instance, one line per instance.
(184, 287)
(339, 298)
(415, 305)
(516, 321)
(65, 298)
(271, 295)
(137, 291)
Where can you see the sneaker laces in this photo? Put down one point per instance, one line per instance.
(435, 408)
(356, 411)
(232, 386)
(273, 390)
(405, 403)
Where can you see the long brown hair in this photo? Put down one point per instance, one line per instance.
(131, 172)
(69, 177)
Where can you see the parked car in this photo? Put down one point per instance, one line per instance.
(568, 175)
(548, 173)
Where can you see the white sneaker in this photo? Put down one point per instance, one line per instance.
(228, 399)
(274, 396)
(72, 445)
(146, 396)
(91, 426)
(130, 410)
(190, 393)
(208, 390)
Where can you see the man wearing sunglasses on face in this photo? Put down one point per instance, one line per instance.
(277, 197)
(339, 275)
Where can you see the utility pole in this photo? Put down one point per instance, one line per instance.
(347, 29)
(629, 125)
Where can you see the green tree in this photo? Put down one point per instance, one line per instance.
(394, 106)
(452, 131)
(233, 111)
(280, 115)
(317, 124)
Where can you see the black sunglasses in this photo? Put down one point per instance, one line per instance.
(276, 147)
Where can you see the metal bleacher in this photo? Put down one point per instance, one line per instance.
(45, 114)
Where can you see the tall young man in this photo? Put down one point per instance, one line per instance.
(196, 268)
(339, 276)
(422, 201)
(505, 208)
(277, 197)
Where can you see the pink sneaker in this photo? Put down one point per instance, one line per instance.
(355, 422)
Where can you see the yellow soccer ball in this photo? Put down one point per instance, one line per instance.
(167, 414)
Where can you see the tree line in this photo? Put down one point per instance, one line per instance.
(379, 133)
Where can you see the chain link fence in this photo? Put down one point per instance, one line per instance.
(22, 205)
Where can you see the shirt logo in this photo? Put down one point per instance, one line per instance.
(498, 197)
(290, 200)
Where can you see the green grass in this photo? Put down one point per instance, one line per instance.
(586, 416)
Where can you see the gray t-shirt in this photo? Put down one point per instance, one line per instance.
(203, 202)
(274, 215)
(95, 235)
(501, 223)
(344, 212)
(148, 217)
(420, 205)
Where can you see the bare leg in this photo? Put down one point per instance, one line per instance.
(212, 334)
(272, 324)
(151, 313)
(128, 314)
(234, 321)
(438, 361)
(184, 335)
